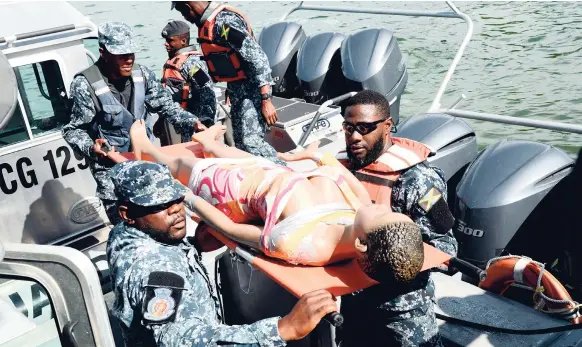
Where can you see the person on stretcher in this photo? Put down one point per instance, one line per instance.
(316, 218)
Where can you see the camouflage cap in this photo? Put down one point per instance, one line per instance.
(117, 37)
(145, 183)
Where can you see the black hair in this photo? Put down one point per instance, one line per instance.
(369, 97)
(395, 252)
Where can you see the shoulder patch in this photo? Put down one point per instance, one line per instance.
(161, 306)
(232, 35)
(429, 199)
(197, 74)
(194, 69)
(437, 210)
(162, 297)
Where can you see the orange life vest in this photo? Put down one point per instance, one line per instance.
(380, 176)
(224, 63)
(172, 73)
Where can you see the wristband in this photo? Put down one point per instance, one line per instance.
(266, 96)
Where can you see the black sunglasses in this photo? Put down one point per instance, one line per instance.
(364, 128)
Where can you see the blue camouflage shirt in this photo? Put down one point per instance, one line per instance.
(202, 99)
(255, 61)
(157, 100)
(132, 256)
(385, 304)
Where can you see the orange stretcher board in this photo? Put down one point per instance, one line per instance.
(339, 279)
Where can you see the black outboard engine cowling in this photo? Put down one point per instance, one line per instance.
(319, 68)
(371, 59)
(506, 195)
(281, 41)
(452, 141)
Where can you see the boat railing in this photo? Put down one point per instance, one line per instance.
(454, 13)
(61, 31)
(436, 106)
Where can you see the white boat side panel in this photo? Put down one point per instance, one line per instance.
(21, 17)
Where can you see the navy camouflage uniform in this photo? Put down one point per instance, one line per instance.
(401, 315)
(248, 124)
(172, 315)
(201, 99)
(118, 39)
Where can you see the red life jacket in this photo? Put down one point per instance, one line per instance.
(224, 63)
(171, 73)
(380, 176)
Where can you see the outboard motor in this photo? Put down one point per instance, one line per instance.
(371, 59)
(510, 201)
(281, 41)
(452, 141)
(319, 68)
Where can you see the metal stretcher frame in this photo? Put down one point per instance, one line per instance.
(339, 279)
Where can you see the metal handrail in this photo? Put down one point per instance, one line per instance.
(87, 25)
(320, 110)
(534, 123)
(456, 13)
(435, 107)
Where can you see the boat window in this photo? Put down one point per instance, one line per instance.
(26, 314)
(44, 103)
(43, 95)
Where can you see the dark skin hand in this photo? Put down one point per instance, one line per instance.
(267, 108)
(269, 112)
(98, 147)
(198, 126)
(306, 314)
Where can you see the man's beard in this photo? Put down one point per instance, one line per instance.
(162, 236)
(369, 158)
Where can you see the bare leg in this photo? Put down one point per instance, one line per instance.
(211, 146)
(180, 167)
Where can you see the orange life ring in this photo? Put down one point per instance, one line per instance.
(504, 271)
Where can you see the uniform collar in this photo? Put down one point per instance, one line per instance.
(185, 50)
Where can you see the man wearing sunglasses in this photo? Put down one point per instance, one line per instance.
(163, 294)
(395, 172)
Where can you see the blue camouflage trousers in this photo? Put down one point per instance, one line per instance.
(416, 327)
(248, 124)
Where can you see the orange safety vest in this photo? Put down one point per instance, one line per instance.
(224, 63)
(380, 176)
(171, 71)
